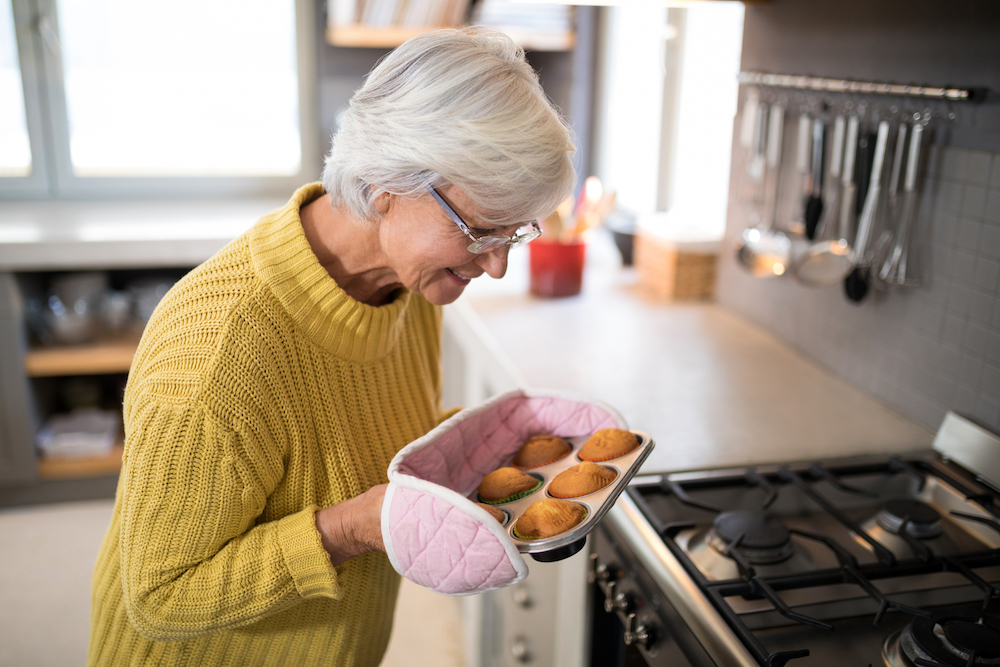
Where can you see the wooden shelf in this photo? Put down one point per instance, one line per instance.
(92, 359)
(360, 36)
(85, 466)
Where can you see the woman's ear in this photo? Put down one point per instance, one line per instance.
(383, 203)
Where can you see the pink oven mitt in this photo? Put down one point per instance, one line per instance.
(434, 535)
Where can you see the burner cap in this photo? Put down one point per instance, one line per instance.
(922, 519)
(758, 531)
(950, 640)
(763, 540)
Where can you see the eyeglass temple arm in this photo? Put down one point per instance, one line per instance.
(449, 210)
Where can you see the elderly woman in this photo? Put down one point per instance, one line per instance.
(276, 381)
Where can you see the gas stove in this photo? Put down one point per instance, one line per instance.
(873, 560)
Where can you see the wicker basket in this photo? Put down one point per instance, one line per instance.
(676, 269)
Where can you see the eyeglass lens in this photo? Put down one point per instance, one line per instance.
(523, 235)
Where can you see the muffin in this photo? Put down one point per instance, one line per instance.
(540, 450)
(506, 484)
(495, 512)
(548, 517)
(607, 444)
(580, 480)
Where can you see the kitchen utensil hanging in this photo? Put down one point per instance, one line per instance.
(857, 282)
(855, 221)
(830, 258)
(803, 161)
(894, 268)
(765, 250)
(814, 204)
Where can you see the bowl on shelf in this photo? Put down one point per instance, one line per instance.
(71, 314)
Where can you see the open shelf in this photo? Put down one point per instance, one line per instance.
(84, 466)
(361, 36)
(113, 356)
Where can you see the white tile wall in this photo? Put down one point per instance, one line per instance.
(922, 350)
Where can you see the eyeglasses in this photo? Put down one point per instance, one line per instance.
(481, 244)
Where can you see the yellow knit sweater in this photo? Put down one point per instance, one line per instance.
(260, 392)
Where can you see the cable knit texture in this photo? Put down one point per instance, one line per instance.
(260, 393)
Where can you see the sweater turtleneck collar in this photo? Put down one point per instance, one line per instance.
(286, 263)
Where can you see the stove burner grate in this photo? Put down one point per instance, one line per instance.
(946, 641)
(732, 540)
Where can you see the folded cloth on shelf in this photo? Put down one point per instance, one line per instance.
(434, 534)
(82, 432)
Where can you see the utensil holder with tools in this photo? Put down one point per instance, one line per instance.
(557, 258)
(859, 148)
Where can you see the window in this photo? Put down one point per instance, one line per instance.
(669, 94)
(15, 156)
(132, 98)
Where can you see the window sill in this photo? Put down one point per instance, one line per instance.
(49, 236)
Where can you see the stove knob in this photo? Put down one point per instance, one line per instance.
(519, 649)
(522, 597)
(638, 634)
(598, 570)
(620, 602)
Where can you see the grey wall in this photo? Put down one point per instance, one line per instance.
(898, 41)
(931, 348)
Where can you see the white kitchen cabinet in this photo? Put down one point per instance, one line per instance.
(17, 460)
(541, 620)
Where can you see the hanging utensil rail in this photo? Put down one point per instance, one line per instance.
(863, 87)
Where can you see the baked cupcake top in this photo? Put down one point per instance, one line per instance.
(506, 484)
(540, 450)
(495, 512)
(580, 480)
(607, 444)
(548, 517)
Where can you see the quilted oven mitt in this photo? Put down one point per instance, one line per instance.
(434, 534)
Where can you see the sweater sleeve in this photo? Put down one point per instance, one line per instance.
(194, 560)
(448, 414)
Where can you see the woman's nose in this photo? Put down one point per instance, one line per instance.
(494, 262)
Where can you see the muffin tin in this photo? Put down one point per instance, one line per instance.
(597, 503)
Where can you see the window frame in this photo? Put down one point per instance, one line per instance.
(37, 183)
(652, 184)
(52, 176)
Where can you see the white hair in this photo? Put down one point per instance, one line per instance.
(460, 107)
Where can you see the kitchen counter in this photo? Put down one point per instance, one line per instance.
(711, 388)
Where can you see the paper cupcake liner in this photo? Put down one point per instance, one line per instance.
(511, 498)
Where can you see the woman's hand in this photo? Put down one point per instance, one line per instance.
(353, 527)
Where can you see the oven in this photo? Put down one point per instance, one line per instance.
(882, 560)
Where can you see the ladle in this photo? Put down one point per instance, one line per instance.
(829, 260)
(763, 250)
